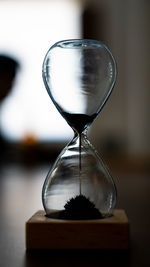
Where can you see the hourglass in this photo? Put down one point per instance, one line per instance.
(79, 194)
(79, 76)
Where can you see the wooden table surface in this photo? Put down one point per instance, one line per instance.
(20, 197)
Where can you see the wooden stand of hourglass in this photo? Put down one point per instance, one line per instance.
(107, 233)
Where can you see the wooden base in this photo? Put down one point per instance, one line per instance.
(47, 233)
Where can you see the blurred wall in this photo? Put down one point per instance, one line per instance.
(123, 125)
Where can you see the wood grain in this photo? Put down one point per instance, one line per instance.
(108, 233)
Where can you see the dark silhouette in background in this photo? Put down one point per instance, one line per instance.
(28, 151)
(8, 71)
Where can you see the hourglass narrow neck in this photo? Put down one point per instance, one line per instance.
(78, 122)
(80, 136)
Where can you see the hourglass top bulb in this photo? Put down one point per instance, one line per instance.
(79, 76)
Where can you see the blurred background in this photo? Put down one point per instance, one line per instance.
(31, 129)
(33, 133)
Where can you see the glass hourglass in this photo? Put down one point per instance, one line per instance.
(79, 76)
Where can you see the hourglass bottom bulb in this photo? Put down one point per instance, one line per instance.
(79, 186)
